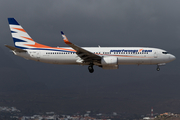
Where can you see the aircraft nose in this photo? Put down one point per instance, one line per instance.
(172, 57)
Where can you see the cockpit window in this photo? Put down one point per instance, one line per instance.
(165, 52)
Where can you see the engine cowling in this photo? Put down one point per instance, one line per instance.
(109, 62)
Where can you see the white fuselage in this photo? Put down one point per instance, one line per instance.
(125, 55)
(105, 57)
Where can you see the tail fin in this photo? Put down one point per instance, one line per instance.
(21, 38)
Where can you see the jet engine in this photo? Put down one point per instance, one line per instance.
(109, 62)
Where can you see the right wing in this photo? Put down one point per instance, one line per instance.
(86, 55)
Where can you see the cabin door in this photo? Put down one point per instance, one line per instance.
(155, 55)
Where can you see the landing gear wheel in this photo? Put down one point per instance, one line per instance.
(158, 69)
(90, 68)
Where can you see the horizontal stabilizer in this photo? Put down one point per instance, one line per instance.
(15, 49)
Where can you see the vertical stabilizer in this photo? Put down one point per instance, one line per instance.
(21, 38)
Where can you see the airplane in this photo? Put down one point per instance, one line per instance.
(104, 57)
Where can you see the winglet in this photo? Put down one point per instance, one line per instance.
(65, 38)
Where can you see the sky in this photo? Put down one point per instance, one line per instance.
(89, 23)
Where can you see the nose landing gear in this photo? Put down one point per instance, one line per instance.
(158, 68)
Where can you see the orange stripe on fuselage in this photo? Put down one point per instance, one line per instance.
(130, 56)
(125, 56)
(37, 45)
(20, 29)
(66, 49)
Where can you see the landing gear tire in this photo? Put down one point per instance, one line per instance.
(90, 68)
(158, 69)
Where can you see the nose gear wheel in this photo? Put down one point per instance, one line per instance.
(158, 68)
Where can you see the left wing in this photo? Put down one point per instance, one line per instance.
(86, 55)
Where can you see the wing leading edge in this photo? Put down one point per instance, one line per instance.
(85, 55)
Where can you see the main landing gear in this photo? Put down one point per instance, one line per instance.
(158, 68)
(90, 68)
